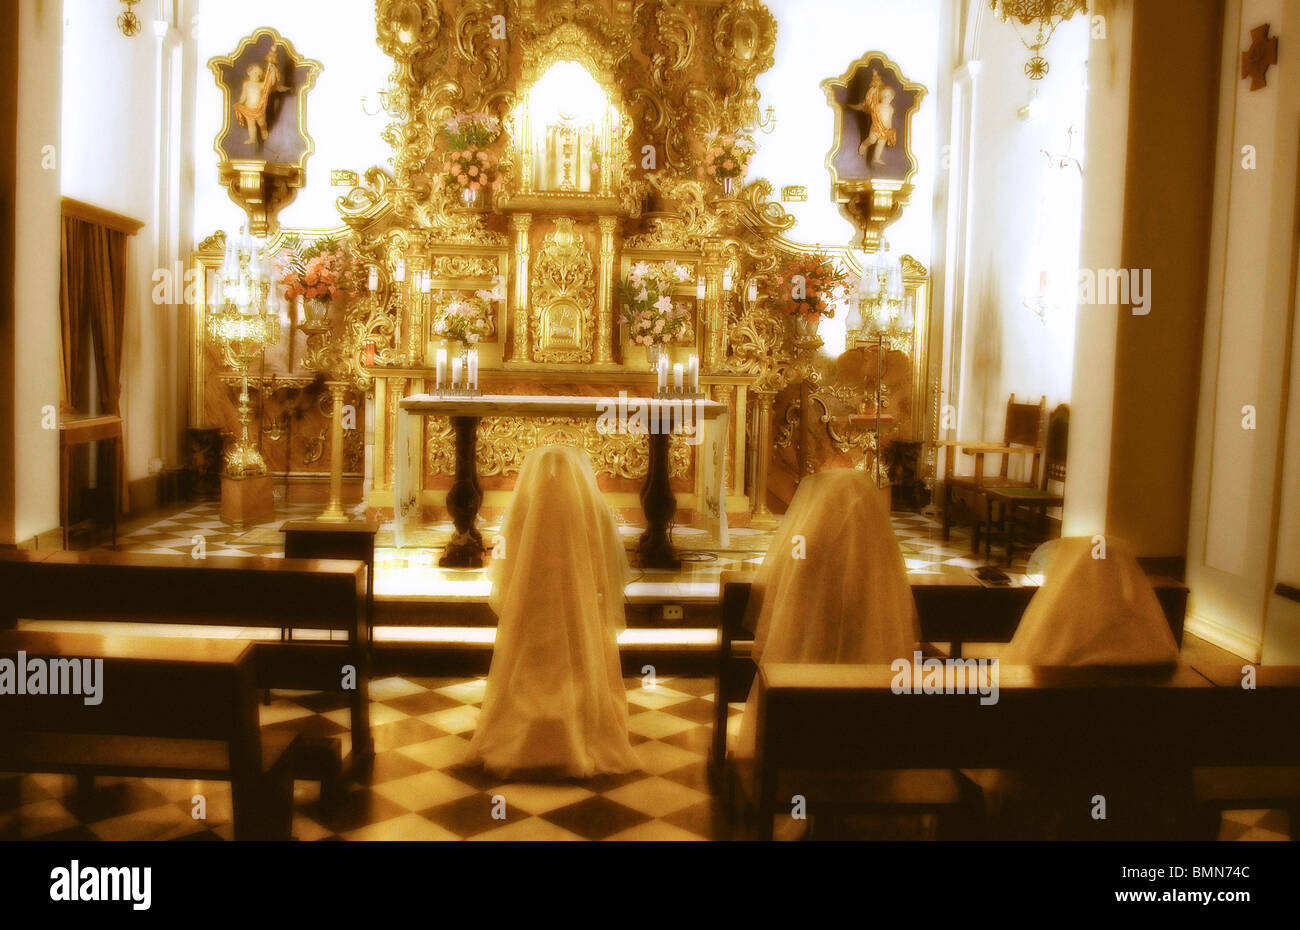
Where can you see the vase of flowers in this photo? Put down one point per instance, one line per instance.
(726, 159)
(804, 288)
(468, 170)
(462, 319)
(653, 316)
(318, 272)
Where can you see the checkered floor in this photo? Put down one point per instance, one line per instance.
(421, 789)
(413, 568)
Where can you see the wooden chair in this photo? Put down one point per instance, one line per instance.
(1006, 502)
(1022, 434)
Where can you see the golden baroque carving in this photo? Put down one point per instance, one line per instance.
(563, 297)
(503, 442)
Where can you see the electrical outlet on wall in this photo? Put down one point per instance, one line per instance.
(672, 611)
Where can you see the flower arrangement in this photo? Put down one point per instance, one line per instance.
(727, 155)
(468, 167)
(464, 319)
(321, 270)
(648, 307)
(804, 285)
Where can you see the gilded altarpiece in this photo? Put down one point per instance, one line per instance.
(592, 179)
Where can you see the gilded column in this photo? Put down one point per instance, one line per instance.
(605, 293)
(712, 322)
(762, 517)
(520, 223)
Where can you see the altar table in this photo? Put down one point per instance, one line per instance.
(708, 418)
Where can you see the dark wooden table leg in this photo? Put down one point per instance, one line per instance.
(463, 499)
(655, 549)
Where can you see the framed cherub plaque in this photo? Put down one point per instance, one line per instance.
(263, 145)
(871, 162)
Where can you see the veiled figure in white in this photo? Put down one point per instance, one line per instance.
(1092, 611)
(832, 587)
(555, 704)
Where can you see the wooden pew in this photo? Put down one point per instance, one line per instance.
(1053, 722)
(1243, 787)
(952, 607)
(169, 707)
(127, 587)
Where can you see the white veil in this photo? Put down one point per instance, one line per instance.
(555, 699)
(1092, 611)
(833, 586)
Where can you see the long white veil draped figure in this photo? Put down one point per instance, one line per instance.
(833, 586)
(555, 703)
(1092, 611)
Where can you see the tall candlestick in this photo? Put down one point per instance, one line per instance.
(455, 371)
(440, 367)
(677, 376)
(695, 374)
(372, 280)
(753, 290)
(473, 368)
(726, 278)
(661, 374)
(699, 288)
(399, 271)
(426, 281)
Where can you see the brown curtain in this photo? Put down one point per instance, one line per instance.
(93, 290)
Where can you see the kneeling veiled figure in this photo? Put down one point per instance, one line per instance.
(833, 586)
(555, 703)
(1096, 608)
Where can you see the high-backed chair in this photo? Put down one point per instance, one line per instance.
(1006, 503)
(1022, 434)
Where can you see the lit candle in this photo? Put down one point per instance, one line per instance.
(426, 281)
(455, 371)
(661, 374)
(753, 290)
(695, 374)
(677, 377)
(699, 288)
(440, 367)
(372, 282)
(400, 270)
(473, 368)
(726, 278)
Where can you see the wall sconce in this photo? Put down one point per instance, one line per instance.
(127, 22)
(386, 104)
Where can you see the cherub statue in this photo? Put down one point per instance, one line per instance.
(878, 104)
(255, 96)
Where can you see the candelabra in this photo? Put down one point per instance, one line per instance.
(882, 313)
(242, 324)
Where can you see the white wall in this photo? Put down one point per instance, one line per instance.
(1023, 218)
(817, 40)
(339, 35)
(114, 111)
(36, 262)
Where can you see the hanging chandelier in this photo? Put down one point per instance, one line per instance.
(1045, 16)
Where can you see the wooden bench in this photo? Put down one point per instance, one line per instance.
(169, 707)
(837, 720)
(127, 587)
(952, 607)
